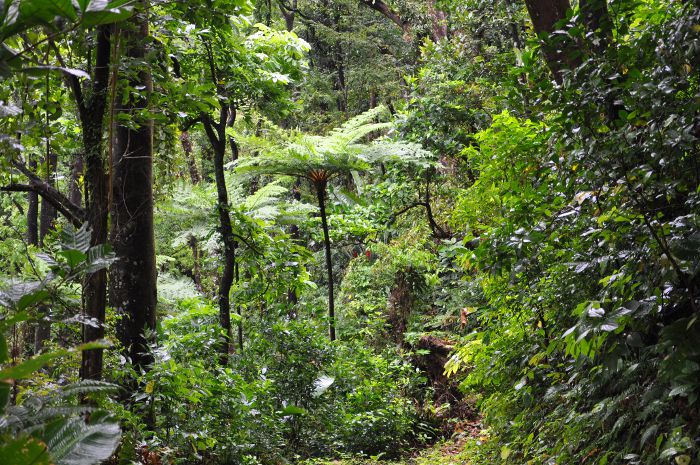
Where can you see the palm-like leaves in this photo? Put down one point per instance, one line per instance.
(321, 158)
(50, 430)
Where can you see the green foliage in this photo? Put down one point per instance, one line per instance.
(51, 428)
(287, 395)
(580, 345)
(17, 17)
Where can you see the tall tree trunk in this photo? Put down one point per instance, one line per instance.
(321, 193)
(47, 220)
(133, 276)
(340, 83)
(96, 199)
(240, 314)
(33, 239)
(226, 231)
(231, 120)
(544, 15)
(32, 211)
(439, 19)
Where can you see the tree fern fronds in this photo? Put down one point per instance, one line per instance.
(86, 387)
(75, 442)
(267, 195)
(399, 152)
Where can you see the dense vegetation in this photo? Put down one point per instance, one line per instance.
(299, 231)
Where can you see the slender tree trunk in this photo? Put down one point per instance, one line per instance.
(32, 212)
(439, 19)
(217, 138)
(321, 193)
(47, 220)
(372, 99)
(240, 315)
(295, 235)
(597, 20)
(76, 170)
(226, 231)
(289, 15)
(341, 85)
(133, 276)
(196, 272)
(48, 212)
(234, 154)
(189, 156)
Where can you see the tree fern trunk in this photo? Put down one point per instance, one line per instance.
(321, 192)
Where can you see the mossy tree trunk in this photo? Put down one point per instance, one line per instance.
(133, 276)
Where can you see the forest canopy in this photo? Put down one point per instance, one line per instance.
(349, 232)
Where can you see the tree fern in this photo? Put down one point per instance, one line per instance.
(322, 158)
(55, 430)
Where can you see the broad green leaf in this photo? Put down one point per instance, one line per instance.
(29, 300)
(73, 257)
(100, 12)
(25, 450)
(293, 410)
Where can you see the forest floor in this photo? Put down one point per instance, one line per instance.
(462, 449)
(456, 451)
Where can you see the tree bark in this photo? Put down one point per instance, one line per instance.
(48, 211)
(389, 13)
(76, 170)
(321, 193)
(92, 113)
(234, 154)
(545, 14)
(189, 156)
(196, 271)
(289, 14)
(32, 212)
(439, 19)
(133, 276)
(217, 138)
(47, 220)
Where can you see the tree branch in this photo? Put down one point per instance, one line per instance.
(72, 81)
(389, 13)
(292, 9)
(209, 129)
(61, 203)
(189, 122)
